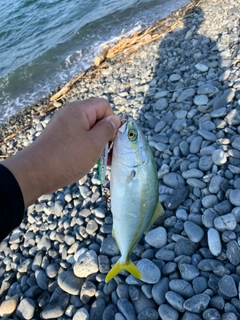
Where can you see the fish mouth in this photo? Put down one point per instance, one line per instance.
(124, 121)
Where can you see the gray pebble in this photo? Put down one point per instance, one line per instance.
(191, 316)
(173, 179)
(193, 182)
(175, 300)
(219, 157)
(211, 313)
(97, 309)
(179, 195)
(127, 309)
(42, 279)
(165, 254)
(199, 284)
(91, 227)
(236, 143)
(207, 135)
(218, 113)
(159, 126)
(26, 308)
(56, 307)
(109, 247)
(209, 201)
(86, 264)
(167, 312)
(233, 252)
(45, 243)
(224, 99)
(197, 303)
(133, 293)
(201, 67)
(214, 241)
(205, 163)
(149, 271)
(81, 314)
(161, 104)
(233, 117)
(215, 184)
(192, 173)
(119, 316)
(195, 144)
(234, 197)
(186, 95)
(159, 290)
(182, 287)
(69, 283)
(229, 316)
(109, 312)
(148, 314)
(201, 99)
(193, 231)
(225, 222)
(208, 89)
(207, 125)
(188, 272)
(157, 237)
(227, 287)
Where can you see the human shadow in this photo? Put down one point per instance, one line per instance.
(192, 105)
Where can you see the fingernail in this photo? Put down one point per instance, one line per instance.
(115, 121)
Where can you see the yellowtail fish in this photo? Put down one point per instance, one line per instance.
(134, 193)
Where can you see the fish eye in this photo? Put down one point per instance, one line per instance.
(132, 135)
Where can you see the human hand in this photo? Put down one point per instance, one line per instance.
(66, 149)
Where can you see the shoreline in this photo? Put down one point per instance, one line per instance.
(184, 92)
(42, 107)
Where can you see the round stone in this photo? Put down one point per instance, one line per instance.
(225, 222)
(167, 312)
(149, 271)
(188, 272)
(175, 300)
(69, 283)
(214, 241)
(201, 100)
(182, 287)
(197, 303)
(234, 197)
(209, 201)
(193, 231)
(86, 264)
(8, 306)
(157, 237)
(227, 287)
(219, 157)
(201, 67)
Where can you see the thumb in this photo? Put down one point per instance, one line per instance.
(106, 128)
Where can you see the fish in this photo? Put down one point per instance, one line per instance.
(134, 193)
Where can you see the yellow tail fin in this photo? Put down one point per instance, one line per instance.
(128, 265)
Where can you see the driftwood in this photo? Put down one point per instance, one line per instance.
(127, 46)
(102, 55)
(66, 87)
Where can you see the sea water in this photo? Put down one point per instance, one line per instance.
(43, 43)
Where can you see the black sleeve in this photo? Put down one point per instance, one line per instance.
(11, 202)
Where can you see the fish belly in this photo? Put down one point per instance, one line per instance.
(134, 197)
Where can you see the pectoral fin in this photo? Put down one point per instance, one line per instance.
(128, 265)
(157, 214)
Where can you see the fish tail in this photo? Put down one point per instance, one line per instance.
(128, 265)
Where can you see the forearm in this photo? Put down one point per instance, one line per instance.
(28, 174)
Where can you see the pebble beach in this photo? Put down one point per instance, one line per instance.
(183, 90)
